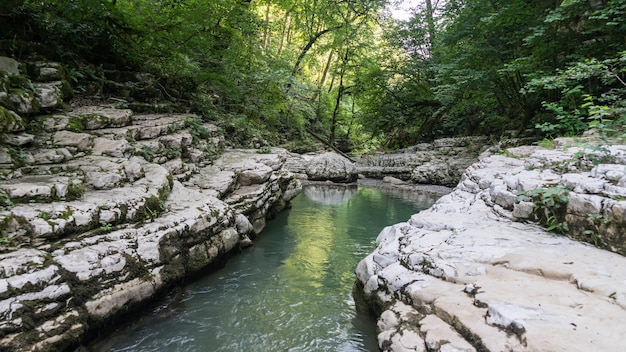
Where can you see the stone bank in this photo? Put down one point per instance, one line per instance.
(103, 209)
(475, 272)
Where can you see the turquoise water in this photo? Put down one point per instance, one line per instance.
(291, 291)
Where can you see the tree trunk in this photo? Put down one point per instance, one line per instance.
(431, 24)
(308, 46)
(320, 85)
(340, 92)
(266, 32)
(283, 35)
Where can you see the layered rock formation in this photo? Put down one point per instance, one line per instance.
(475, 273)
(441, 162)
(102, 209)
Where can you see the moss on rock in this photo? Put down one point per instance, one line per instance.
(10, 121)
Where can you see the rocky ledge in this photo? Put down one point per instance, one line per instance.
(441, 162)
(475, 272)
(102, 210)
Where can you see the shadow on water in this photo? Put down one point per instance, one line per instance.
(291, 291)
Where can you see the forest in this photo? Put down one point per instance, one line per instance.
(281, 71)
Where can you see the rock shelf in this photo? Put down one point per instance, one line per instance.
(104, 209)
(476, 273)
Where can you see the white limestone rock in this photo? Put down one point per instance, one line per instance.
(511, 285)
(98, 117)
(115, 148)
(394, 181)
(49, 95)
(103, 180)
(332, 167)
(254, 174)
(79, 141)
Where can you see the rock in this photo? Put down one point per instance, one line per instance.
(392, 180)
(49, 95)
(96, 117)
(52, 156)
(256, 174)
(24, 101)
(91, 232)
(9, 65)
(441, 162)
(79, 141)
(332, 167)
(213, 178)
(109, 147)
(18, 140)
(477, 280)
(523, 210)
(103, 180)
(5, 157)
(10, 121)
(48, 71)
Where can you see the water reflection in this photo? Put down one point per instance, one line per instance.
(330, 195)
(289, 292)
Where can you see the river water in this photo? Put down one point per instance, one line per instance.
(291, 291)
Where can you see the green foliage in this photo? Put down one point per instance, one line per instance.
(5, 199)
(546, 143)
(153, 208)
(44, 215)
(75, 190)
(550, 205)
(19, 156)
(198, 132)
(145, 152)
(596, 223)
(269, 70)
(106, 227)
(75, 123)
(265, 150)
(578, 110)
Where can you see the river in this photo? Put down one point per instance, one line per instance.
(291, 291)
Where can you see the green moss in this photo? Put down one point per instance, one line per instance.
(18, 156)
(5, 201)
(136, 268)
(102, 120)
(75, 191)
(67, 213)
(75, 123)
(8, 121)
(153, 207)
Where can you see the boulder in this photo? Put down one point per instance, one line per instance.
(331, 167)
(9, 65)
(394, 181)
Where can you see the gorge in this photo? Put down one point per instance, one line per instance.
(105, 209)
